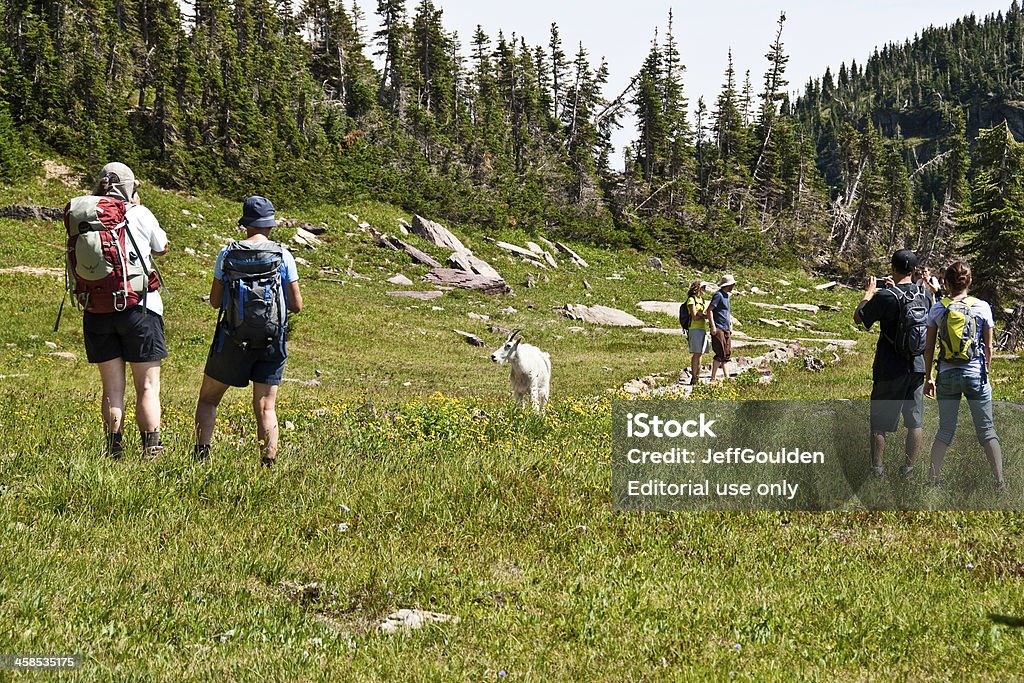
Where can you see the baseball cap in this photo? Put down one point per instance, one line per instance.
(904, 261)
(121, 178)
(257, 212)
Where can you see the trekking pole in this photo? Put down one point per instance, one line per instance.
(64, 295)
(60, 311)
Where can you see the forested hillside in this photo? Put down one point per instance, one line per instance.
(241, 96)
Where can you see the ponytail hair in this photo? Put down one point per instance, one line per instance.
(958, 277)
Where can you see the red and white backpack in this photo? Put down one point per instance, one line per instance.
(103, 274)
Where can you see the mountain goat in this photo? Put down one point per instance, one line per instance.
(530, 372)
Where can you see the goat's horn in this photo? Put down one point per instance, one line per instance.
(514, 334)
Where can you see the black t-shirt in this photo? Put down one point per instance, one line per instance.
(884, 309)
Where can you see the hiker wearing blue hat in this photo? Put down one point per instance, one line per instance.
(255, 285)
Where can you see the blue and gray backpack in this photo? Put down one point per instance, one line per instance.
(253, 313)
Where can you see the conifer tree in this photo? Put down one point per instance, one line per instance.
(993, 220)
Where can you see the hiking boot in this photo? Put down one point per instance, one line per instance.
(877, 471)
(907, 471)
(201, 452)
(936, 482)
(268, 462)
(115, 449)
(151, 446)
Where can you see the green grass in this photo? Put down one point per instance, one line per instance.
(454, 501)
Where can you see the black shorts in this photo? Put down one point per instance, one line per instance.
(230, 364)
(136, 335)
(903, 395)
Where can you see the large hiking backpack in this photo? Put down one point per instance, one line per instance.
(253, 313)
(911, 327)
(958, 331)
(103, 274)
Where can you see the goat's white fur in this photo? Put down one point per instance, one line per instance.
(529, 373)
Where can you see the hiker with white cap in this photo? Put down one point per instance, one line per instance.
(112, 277)
(720, 326)
(255, 284)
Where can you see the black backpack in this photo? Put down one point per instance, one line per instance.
(253, 312)
(684, 313)
(684, 317)
(909, 340)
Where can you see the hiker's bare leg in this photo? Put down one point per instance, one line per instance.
(938, 455)
(695, 368)
(714, 369)
(210, 394)
(913, 445)
(877, 448)
(994, 453)
(264, 400)
(112, 378)
(146, 377)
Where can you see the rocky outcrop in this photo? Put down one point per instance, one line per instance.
(389, 242)
(464, 280)
(27, 213)
(600, 315)
(436, 234)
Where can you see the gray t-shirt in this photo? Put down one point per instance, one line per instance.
(980, 310)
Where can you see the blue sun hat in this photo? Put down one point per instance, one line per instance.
(257, 212)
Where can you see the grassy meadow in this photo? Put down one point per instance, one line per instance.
(407, 479)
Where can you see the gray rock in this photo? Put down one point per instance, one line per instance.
(436, 234)
(576, 258)
(405, 620)
(464, 280)
(665, 307)
(600, 315)
(655, 262)
(399, 279)
(422, 296)
(469, 337)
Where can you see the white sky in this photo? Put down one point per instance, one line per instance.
(817, 34)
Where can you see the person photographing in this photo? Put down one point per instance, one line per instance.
(900, 308)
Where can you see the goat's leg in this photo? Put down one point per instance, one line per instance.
(520, 398)
(535, 399)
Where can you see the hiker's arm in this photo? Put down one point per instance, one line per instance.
(216, 293)
(710, 317)
(987, 337)
(869, 294)
(929, 360)
(294, 297)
